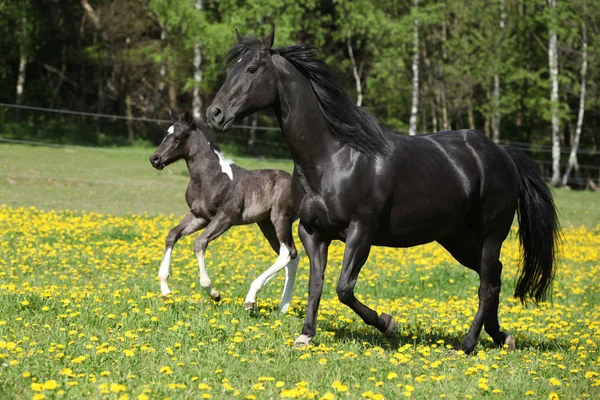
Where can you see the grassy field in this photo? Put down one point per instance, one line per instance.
(121, 182)
(81, 315)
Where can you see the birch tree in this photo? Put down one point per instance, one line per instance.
(496, 127)
(196, 96)
(412, 130)
(575, 145)
(554, 104)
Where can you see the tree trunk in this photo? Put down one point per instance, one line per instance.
(553, 64)
(496, 127)
(415, 68)
(22, 69)
(445, 124)
(196, 96)
(575, 141)
(162, 71)
(252, 139)
(61, 76)
(357, 79)
(470, 115)
(129, 114)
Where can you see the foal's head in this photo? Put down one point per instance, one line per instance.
(176, 143)
(250, 85)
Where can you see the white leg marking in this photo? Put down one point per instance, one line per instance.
(288, 287)
(205, 282)
(302, 341)
(163, 272)
(261, 281)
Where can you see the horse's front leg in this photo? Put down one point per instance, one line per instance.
(189, 224)
(358, 246)
(216, 227)
(316, 249)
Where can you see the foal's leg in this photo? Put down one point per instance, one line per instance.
(281, 240)
(358, 245)
(316, 249)
(216, 227)
(189, 224)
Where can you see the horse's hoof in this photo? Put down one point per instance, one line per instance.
(166, 295)
(391, 331)
(510, 341)
(301, 342)
(284, 308)
(248, 306)
(216, 298)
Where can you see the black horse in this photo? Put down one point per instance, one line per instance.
(358, 182)
(220, 195)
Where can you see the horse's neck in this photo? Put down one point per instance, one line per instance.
(202, 162)
(304, 127)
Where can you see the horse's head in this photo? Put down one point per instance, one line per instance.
(175, 145)
(250, 85)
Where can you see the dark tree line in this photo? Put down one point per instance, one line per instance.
(513, 69)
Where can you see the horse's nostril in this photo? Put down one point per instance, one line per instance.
(217, 111)
(154, 158)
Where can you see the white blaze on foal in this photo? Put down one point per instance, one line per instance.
(282, 261)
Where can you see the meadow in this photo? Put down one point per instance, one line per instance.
(82, 235)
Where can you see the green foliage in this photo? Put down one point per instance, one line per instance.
(144, 51)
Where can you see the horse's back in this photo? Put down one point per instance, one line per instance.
(265, 191)
(443, 181)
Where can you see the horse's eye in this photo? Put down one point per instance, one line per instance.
(252, 69)
(177, 139)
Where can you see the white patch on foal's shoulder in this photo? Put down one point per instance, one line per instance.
(171, 130)
(225, 164)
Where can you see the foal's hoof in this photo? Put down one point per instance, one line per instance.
(510, 341)
(301, 342)
(284, 308)
(216, 298)
(166, 295)
(248, 306)
(391, 332)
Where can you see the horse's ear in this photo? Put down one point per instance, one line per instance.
(269, 40)
(188, 118)
(238, 36)
(175, 116)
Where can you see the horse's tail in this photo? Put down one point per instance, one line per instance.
(538, 230)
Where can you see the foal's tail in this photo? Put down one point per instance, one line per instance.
(538, 230)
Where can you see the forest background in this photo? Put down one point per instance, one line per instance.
(524, 72)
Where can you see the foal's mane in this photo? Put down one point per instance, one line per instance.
(347, 122)
(208, 133)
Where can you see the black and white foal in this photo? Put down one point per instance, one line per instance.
(220, 195)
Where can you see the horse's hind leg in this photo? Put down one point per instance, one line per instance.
(281, 240)
(489, 292)
(189, 224)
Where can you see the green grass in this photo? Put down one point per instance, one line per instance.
(121, 181)
(115, 181)
(80, 310)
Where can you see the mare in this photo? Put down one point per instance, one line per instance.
(357, 182)
(221, 195)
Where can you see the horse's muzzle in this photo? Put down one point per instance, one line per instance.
(155, 160)
(215, 117)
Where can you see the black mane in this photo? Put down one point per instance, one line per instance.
(347, 122)
(205, 130)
